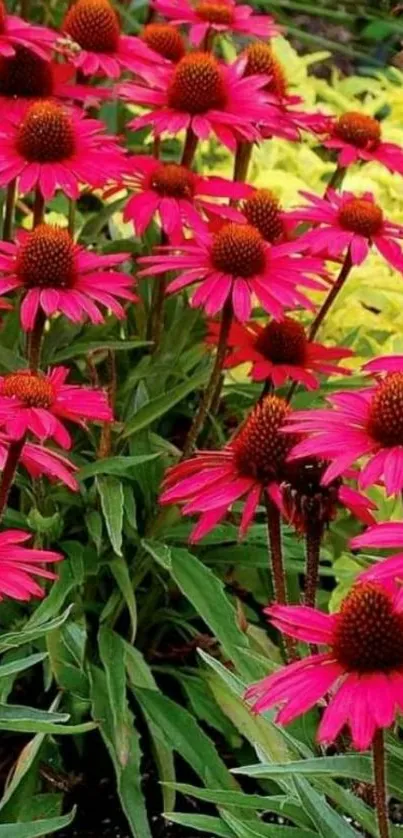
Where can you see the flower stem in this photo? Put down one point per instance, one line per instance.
(243, 156)
(39, 208)
(35, 341)
(378, 754)
(211, 389)
(313, 541)
(10, 467)
(336, 180)
(189, 148)
(277, 567)
(334, 291)
(9, 211)
(157, 305)
(105, 443)
(71, 217)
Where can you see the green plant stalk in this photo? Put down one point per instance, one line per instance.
(189, 149)
(336, 180)
(9, 211)
(276, 566)
(9, 470)
(72, 217)
(313, 539)
(211, 389)
(378, 756)
(35, 341)
(333, 293)
(39, 208)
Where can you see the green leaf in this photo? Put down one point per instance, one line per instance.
(36, 829)
(20, 665)
(10, 361)
(121, 573)
(260, 830)
(118, 730)
(85, 347)
(111, 493)
(31, 720)
(162, 404)
(328, 822)
(202, 823)
(115, 465)
(28, 635)
(206, 593)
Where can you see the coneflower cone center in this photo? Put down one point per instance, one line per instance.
(47, 259)
(29, 387)
(306, 501)
(197, 84)
(218, 13)
(173, 181)
(283, 343)
(46, 134)
(385, 420)
(260, 447)
(239, 249)
(368, 636)
(25, 75)
(262, 210)
(362, 217)
(165, 40)
(94, 25)
(261, 61)
(359, 130)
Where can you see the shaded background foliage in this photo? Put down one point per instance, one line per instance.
(136, 662)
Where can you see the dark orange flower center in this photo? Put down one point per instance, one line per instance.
(3, 16)
(197, 84)
(283, 343)
(47, 259)
(261, 61)
(46, 134)
(173, 180)
(262, 210)
(217, 12)
(358, 129)
(164, 39)
(25, 74)
(369, 633)
(362, 217)
(385, 422)
(94, 25)
(30, 387)
(260, 447)
(305, 499)
(239, 249)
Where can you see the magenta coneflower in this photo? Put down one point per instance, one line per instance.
(38, 403)
(58, 276)
(356, 136)
(216, 16)
(262, 209)
(18, 566)
(203, 94)
(348, 222)
(365, 423)
(42, 462)
(178, 195)
(233, 264)
(280, 351)
(165, 40)
(94, 27)
(251, 465)
(26, 76)
(56, 148)
(16, 32)
(361, 673)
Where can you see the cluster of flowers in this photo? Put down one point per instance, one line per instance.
(236, 247)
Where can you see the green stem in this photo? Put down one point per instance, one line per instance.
(9, 211)
(35, 341)
(381, 805)
(333, 293)
(277, 567)
(72, 217)
(39, 208)
(210, 392)
(313, 541)
(10, 467)
(189, 148)
(336, 180)
(242, 160)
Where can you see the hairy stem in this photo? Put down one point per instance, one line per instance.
(276, 565)
(10, 467)
(9, 211)
(39, 208)
(35, 341)
(243, 156)
(378, 753)
(313, 541)
(211, 389)
(189, 148)
(333, 293)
